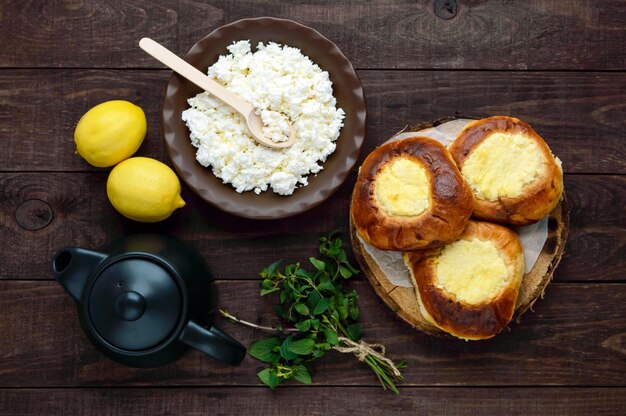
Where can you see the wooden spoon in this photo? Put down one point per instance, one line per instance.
(178, 65)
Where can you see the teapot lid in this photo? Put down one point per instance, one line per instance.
(134, 303)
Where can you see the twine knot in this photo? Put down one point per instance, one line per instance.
(363, 349)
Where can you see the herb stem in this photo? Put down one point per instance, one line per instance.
(343, 330)
(381, 373)
(310, 282)
(233, 318)
(322, 322)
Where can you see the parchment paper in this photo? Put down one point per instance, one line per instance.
(533, 236)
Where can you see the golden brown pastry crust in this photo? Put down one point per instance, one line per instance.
(463, 320)
(538, 198)
(450, 207)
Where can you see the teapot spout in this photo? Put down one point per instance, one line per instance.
(71, 267)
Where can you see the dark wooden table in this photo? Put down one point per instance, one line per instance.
(559, 65)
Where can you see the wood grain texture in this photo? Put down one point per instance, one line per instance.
(582, 116)
(560, 344)
(597, 228)
(587, 134)
(320, 401)
(39, 111)
(569, 34)
(560, 65)
(236, 248)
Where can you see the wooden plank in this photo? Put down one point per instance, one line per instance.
(82, 216)
(42, 212)
(581, 115)
(315, 401)
(575, 338)
(597, 229)
(42, 107)
(586, 133)
(569, 34)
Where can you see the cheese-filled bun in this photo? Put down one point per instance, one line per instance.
(409, 195)
(468, 288)
(511, 170)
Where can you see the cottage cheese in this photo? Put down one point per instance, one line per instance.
(285, 87)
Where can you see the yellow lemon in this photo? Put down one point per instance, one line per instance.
(110, 132)
(144, 189)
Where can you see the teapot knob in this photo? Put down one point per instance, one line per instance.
(130, 306)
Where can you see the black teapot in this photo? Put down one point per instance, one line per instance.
(144, 299)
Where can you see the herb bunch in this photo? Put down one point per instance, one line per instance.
(323, 315)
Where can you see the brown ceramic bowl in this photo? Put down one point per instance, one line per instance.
(347, 90)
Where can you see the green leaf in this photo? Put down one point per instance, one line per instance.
(285, 351)
(284, 295)
(343, 313)
(273, 268)
(301, 308)
(304, 325)
(321, 306)
(331, 336)
(314, 297)
(318, 264)
(354, 313)
(302, 347)
(315, 323)
(263, 350)
(268, 291)
(322, 346)
(331, 269)
(334, 248)
(339, 298)
(291, 268)
(301, 374)
(326, 285)
(270, 271)
(303, 273)
(268, 378)
(353, 269)
(318, 353)
(354, 331)
(344, 272)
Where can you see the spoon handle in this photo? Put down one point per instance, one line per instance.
(181, 67)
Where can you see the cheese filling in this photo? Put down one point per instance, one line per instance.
(502, 165)
(285, 87)
(473, 271)
(402, 188)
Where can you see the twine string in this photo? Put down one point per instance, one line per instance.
(362, 349)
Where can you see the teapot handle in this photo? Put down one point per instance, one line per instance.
(213, 342)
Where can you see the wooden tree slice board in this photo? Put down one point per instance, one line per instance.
(403, 301)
